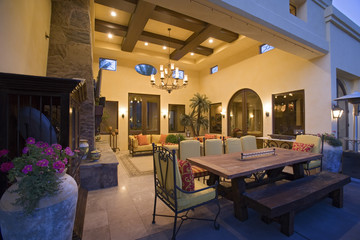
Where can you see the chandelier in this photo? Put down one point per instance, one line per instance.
(171, 78)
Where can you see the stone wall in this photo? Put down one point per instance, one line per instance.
(70, 54)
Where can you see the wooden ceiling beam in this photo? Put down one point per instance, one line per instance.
(194, 41)
(107, 27)
(126, 6)
(119, 30)
(176, 19)
(225, 35)
(161, 40)
(171, 17)
(136, 25)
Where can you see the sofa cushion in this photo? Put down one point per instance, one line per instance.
(143, 140)
(187, 176)
(210, 136)
(302, 147)
(163, 138)
(155, 138)
(143, 148)
(134, 141)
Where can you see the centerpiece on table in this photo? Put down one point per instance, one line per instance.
(42, 201)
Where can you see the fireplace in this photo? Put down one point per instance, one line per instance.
(45, 108)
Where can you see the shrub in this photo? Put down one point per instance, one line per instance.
(172, 138)
(332, 140)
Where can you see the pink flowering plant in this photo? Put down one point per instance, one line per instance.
(39, 168)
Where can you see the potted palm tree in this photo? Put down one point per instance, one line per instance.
(197, 119)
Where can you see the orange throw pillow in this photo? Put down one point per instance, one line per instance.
(142, 140)
(163, 138)
(187, 176)
(302, 147)
(210, 136)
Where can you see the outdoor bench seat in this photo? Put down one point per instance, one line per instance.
(280, 202)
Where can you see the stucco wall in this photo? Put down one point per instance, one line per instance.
(24, 48)
(117, 84)
(344, 38)
(276, 72)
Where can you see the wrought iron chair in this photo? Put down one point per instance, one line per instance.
(168, 189)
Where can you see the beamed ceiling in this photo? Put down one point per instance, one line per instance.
(138, 22)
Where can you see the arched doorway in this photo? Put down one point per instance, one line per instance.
(245, 114)
(343, 122)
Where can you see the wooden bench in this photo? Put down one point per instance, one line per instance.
(280, 202)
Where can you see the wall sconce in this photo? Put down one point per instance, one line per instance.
(122, 112)
(164, 113)
(267, 109)
(223, 113)
(337, 112)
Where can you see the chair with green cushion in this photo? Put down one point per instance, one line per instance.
(233, 145)
(168, 188)
(191, 148)
(248, 143)
(317, 148)
(213, 147)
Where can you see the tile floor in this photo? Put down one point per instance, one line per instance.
(125, 212)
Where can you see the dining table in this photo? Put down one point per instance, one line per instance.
(238, 166)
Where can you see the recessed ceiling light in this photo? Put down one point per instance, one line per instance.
(164, 47)
(211, 40)
(113, 13)
(192, 54)
(110, 35)
(146, 43)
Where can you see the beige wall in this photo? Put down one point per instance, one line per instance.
(24, 48)
(270, 73)
(117, 84)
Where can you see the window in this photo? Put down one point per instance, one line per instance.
(245, 114)
(298, 9)
(215, 118)
(144, 114)
(292, 9)
(265, 48)
(288, 113)
(145, 69)
(175, 112)
(107, 64)
(214, 69)
(181, 74)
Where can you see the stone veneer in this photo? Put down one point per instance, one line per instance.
(70, 54)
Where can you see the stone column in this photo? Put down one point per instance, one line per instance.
(70, 54)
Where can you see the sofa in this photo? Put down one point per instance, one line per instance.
(142, 144)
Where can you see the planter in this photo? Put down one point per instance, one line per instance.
(53, 219)
(84, 148)
(332, 158)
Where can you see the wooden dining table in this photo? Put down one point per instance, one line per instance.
(238, 166)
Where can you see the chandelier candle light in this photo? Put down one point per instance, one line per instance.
(169, 76)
